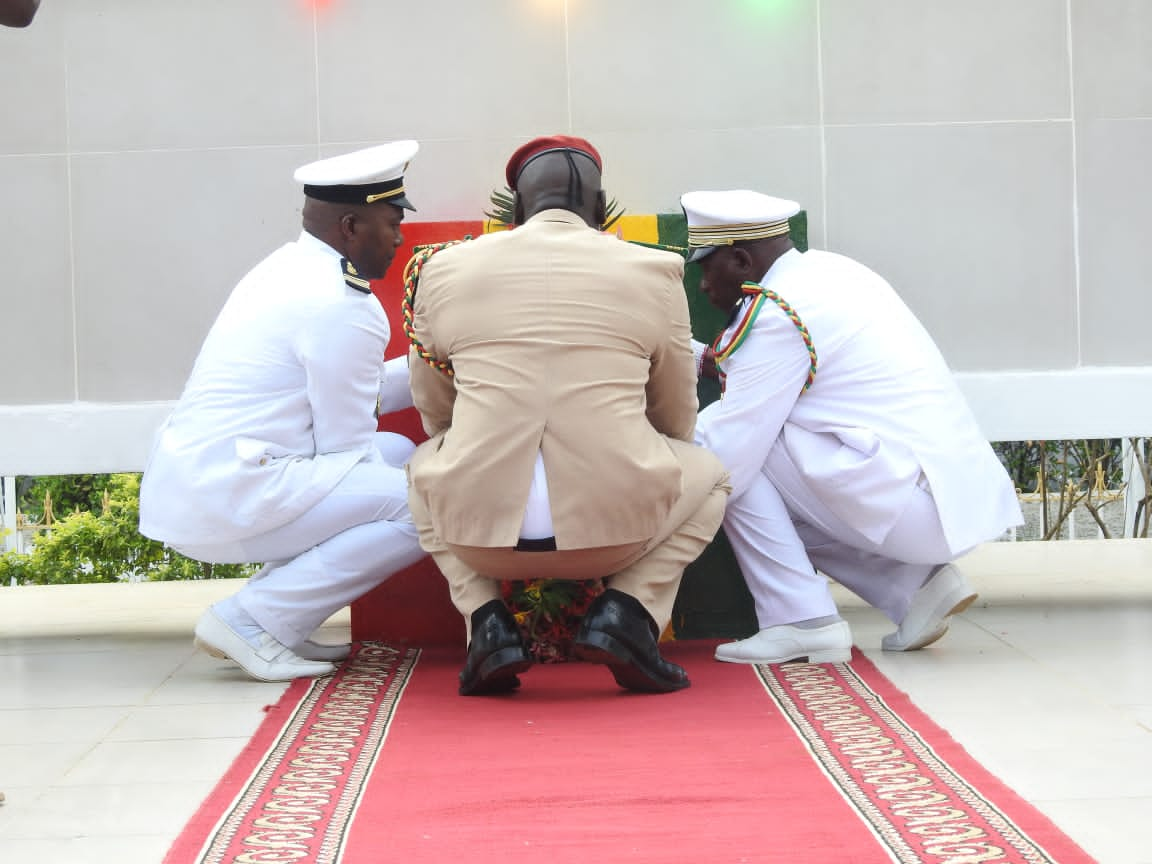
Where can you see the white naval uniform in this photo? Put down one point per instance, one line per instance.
(272, 455)
(875, 475)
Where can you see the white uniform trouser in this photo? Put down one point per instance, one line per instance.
(346, 545)
(781, 534)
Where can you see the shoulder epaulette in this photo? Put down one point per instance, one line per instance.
(353, 279)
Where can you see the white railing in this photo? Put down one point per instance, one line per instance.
(97, 438)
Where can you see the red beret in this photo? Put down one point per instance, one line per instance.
(547, 144)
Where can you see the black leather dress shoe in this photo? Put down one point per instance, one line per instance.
(619, 632)
(496, 653)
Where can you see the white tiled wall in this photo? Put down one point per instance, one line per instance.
(973, 224)
(933, 61)
(989, 157)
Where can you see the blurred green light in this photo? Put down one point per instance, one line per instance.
(765, 8)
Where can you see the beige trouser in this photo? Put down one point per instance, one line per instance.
(650, 571)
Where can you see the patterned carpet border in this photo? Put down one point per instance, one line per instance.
(917, 804)
(296, 800)
(293, 793)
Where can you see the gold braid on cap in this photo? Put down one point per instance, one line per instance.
(726, 235)
(420, 256)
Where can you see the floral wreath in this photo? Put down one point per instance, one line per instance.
(549, 612)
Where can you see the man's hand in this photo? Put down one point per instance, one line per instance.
(708, 364)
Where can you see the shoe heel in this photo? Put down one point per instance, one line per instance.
(830, 655)
(210, 649)
(505, 663)
(599, 647)
(964, 603)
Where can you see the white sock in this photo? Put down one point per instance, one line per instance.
(233, 614)
(813, 623)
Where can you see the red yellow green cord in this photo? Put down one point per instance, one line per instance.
(744, 326)
(420, 256)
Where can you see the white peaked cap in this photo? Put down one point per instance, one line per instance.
(361, 177)
(726, 217)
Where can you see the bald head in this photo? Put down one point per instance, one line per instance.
(564, 180)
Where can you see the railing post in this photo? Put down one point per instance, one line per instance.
(1133, 482)
(8, 515)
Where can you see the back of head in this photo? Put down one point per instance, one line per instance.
(557, 172)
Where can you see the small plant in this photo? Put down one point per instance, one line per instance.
(504, 209)
(104, 546)
(43, 499)
(1077, 473)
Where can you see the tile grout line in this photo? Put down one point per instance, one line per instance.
(824, 231)
(316, 70)
(568, 67)
(1076, 274)
(68, 157)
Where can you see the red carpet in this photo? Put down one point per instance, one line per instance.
(817, 764)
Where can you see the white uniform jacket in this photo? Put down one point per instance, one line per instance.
(883, 412)
(280, 405)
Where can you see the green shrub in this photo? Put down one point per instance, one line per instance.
(67, 492)
(107, 547)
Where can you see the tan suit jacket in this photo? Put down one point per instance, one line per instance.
(565, 341)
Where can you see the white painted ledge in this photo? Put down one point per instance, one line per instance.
(1090, 402)
(78, 437)
(1106, 402)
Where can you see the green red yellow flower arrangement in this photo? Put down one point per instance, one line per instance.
(549, 612)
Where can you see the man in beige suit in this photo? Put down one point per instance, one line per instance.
(561, 440)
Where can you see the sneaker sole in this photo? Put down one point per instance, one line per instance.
(939, 632)
(831, 655)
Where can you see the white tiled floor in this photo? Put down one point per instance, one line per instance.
(113, 729)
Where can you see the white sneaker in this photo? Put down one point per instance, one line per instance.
(831, 643)
(945, 594)
(268, 661)
(310, 650)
